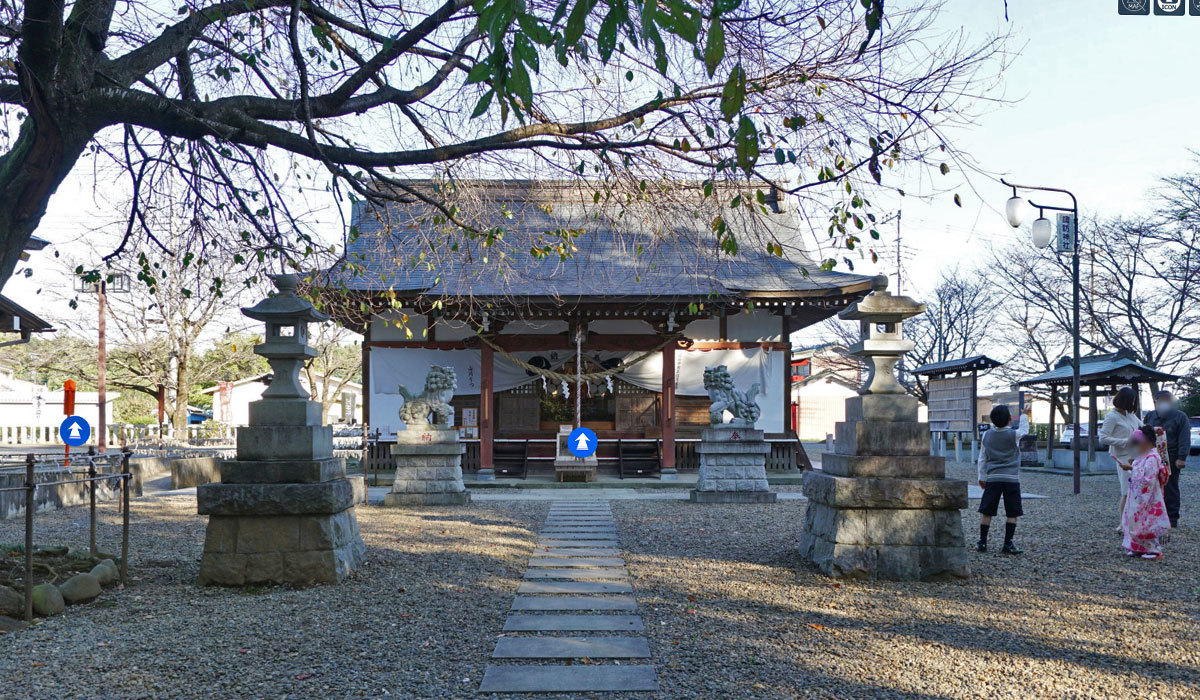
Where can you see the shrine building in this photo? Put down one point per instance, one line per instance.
(639, 305)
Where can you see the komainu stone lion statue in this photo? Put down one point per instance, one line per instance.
(724, 397)
(440, 384)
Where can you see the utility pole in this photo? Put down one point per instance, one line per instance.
(101, 287)
(898, 249)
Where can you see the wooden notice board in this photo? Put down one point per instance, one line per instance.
(952, 404)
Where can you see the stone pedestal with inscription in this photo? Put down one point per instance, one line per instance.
(428, 469)
(733, 466)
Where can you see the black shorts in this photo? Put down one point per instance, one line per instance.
(1011, 492)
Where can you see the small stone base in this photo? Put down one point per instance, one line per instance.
(732, 496)
(485, 475)
(668, 475)
(459, 498)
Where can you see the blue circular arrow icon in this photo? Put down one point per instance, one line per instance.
(74, 431)
(582, 442)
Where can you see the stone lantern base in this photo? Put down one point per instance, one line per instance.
(732, 466)
(283, 511)
(881, 506)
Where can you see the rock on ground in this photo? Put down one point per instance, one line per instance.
(80, 588)
(12, 603)
(48, 600)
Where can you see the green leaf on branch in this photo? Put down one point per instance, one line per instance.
(714, 47)
(746, 144)
(733, 95)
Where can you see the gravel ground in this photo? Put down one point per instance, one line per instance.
(730, 610)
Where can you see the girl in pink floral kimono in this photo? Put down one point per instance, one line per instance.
(1145, 519)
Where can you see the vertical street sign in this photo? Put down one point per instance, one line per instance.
(1065, 238)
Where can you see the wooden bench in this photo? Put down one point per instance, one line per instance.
(511, 458)
(638, 458)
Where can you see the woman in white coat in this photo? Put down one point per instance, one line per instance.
(1116, 432)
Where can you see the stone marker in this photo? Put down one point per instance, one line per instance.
(733, 455)
(576, 573)
(577, 552)
(882, 507)
(568, 679)
(575, 561)
(573, 623)
(575, 602)
(569, 587)
(283, 511)
(571, 648)
(562, 543)
(427, 453)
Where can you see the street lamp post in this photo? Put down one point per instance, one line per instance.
(1042, 235)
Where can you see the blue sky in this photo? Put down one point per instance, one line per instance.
(1101, 104)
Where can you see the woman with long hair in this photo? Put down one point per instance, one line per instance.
(1118, 428)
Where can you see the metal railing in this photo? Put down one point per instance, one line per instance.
(120, 434)
(123, 479)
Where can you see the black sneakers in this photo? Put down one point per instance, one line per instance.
(1010, 548)
(981, 546)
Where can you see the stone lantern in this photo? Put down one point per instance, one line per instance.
(283, 511)
(881, 506)
(881, 340)
(286, 346)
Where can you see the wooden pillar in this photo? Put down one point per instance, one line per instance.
(789, 427)
(366, 382)
(1092, 410)
(668, 407)
(487, 428)
(1050, 429)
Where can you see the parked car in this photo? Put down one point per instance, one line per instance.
(1068, 434)
(1195, 420)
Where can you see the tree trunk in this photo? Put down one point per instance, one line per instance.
(179, 412)
(40, 159)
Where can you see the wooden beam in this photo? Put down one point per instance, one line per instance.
(487, 428)
(668, 407)
(786, 335)
(366, 390)
(737, 345)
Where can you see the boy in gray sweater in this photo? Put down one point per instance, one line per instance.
(1000, 476)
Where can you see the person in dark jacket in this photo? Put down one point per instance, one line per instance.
(1178, 429)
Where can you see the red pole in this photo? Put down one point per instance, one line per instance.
(68, 410)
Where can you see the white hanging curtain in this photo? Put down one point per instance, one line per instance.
(393, 367)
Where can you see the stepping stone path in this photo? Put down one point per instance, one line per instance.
(575, 602)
